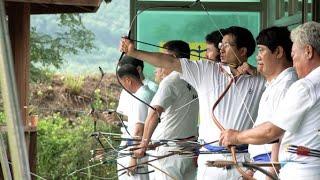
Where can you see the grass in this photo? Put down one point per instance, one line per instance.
(73, 83)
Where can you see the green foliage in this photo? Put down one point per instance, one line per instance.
(49, 50)
(64, 147)
(98, 103)
(2, 118)
(41, 74)
(112, 100)
(74, 83)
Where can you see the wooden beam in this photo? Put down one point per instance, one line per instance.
(210, 6)
(95, 3)
(55, 8)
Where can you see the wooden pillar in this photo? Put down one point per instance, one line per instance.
(19, 29)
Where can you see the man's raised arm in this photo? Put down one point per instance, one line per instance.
(154, 58)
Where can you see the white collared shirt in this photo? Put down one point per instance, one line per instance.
(125, 100)
(271, 97)
(299, 115)
(151, 85)
(123, 108)
(232, 112)
(123, 105)
(138, 111)
(133, 108)
(181, 108)
(125, 97)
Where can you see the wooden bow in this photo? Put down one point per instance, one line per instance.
(217, 122)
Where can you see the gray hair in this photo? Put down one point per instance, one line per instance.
(307, 34)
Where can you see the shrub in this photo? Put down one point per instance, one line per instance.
(73, 84)
(2, 118)
(43, 75)
(64, 147)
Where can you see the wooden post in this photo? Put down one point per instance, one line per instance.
(19, 29)
(12, 107)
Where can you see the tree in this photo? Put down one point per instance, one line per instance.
(49, 50)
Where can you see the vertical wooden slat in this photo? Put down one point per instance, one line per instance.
(280, 9)
(293, 7)
(19, 29)
(316, 10)
(19, 156)
(33, 153)
(264, 14)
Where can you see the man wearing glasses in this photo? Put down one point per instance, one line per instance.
(297, 117)
(237, 108)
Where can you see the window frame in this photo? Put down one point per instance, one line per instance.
(136, 6)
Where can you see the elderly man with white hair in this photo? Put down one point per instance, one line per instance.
(297, 119)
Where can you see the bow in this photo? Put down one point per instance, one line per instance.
(216, 121)
(234, 161)
(92, 111)
(252, 165)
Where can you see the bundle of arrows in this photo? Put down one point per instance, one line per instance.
(303, 151)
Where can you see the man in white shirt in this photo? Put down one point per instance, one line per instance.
(176, 102)
(124, 105)
(137, 113)
(274, 62)
(212, 41)
(237, 108)
(124, 96)
(297, 118)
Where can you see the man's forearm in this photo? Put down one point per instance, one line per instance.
(262, 134)
(157, 59)
(150, 126)
(138, 130)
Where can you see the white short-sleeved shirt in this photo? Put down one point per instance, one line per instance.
(123, 105)
(181, 107)
(138, 111)
(151, 85)
(274, 93)
(210, 81)
(123, 108)
(299, 115)
(125, 97)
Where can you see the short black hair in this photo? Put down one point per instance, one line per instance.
(179, 48)
(128, 70)
(276, 36)
(130, 60)
(243, 38)
(215, 37)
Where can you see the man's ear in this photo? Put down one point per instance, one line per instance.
(279, 52)
(243, 52)
(129, 80)
(139, 69)
(308, 50)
